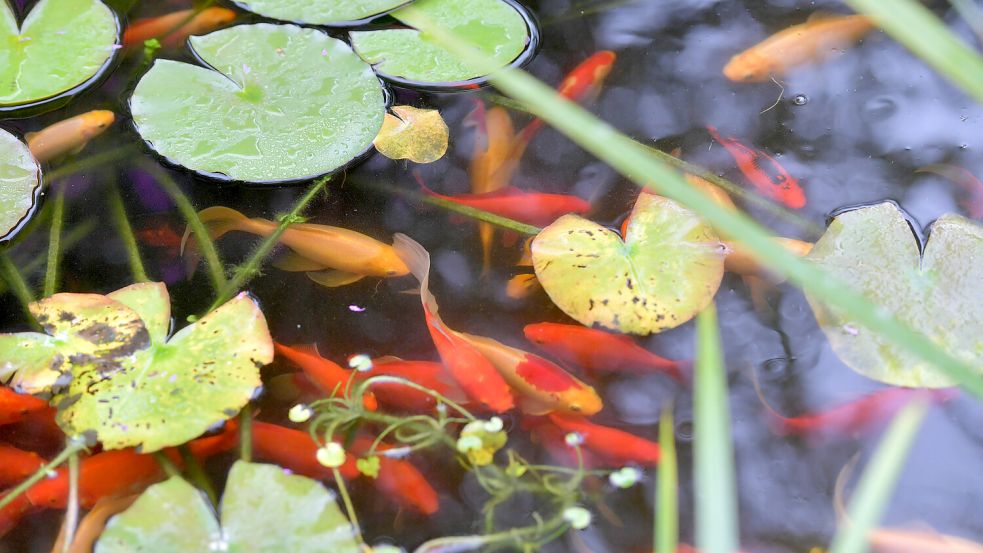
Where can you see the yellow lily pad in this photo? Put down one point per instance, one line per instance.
(419, 135)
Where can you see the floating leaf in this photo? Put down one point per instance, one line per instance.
(152, 303)
(264, 510)
(20, 184)
(498, 28)
(336, 13)
(874, 250)
(667, 268)
(419, 135)
(277, 103)
(62, 46)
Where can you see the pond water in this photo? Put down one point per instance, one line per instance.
(853, 130)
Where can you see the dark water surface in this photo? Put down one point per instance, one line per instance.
(852, 130)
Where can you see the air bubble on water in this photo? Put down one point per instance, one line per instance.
(800, 99)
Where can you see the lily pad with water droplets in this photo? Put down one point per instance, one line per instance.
(332, 13)
(498, 28)
(937, 293)
(20, 184)
(419, 135)
(60, 47)
(264, 510)
(667, 268)
(277, 103)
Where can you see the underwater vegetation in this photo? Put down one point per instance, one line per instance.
(479, 355)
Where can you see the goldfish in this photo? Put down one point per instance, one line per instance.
(400, 480)
(532, 208)
(16, 407)
(766, 174)
(106, 474)
(972, 202)
(398, 396)
(598, 350)
(542, 387)
(612, 446)
(330, 378)
(743, 262)
(17, 464)
(331, 256)
(814, 40)
(294, 450)
(522, 286)
(68, 136)
(491, 168)
(477, 376)
(174, 28)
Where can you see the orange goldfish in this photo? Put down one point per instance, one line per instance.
(294, 450)
(972, 202)
(16, 407)
(331, 256)
(174, 28)
(491, 168)
(93, 523)
(330, 378)
(764, 172)
(428, 374)
(400, 479)
(615, 446)
(68, 136)
(522, 286)
(532, 208)
(477, 376)
(600, 350)
(17, 464)
(542, 387)
(813, 40)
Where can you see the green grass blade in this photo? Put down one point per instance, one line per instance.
(878, 480)
(667, 490)
(636, 161)
(713, 455)
(913, 25)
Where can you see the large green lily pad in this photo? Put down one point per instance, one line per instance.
(495, 26)
(335, 13)
(20, 184)
(113, 373)
(937, 293)
(667, 268)
(264, 510)
(277, 103)
(61, 46)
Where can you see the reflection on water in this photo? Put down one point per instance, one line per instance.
(852, 130)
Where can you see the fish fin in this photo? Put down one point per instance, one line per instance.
(217, 220)
(30, 136)
(296, 263)
(334, 279)
(386, 359)
(410, 292)
(534, 407)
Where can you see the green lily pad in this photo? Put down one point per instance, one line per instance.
(498, 28)
(937, 293)
(667, 268)
(152, 303)
(264, 510)
(277, 103)
(333, 13)
(61, 47)
(20, 184)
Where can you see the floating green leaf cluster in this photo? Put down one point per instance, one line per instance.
(20, 176)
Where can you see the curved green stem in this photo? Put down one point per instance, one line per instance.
(89, 162)
(197, 474)
(76, 233)
(18, 286)
(72, 448)
(126, 234)
(246, 433)
(54, 243)
(349, 506)
(168, 466)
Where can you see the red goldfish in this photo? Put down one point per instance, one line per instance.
(541, 386)
(599, 350)
(817, 38)
(68, 136)
(425, 373)
(617, 447)
(972, 202)
(294, 450)
(331, 256)
(400, 480)
(532, 208)
(16, 407)
(328, 376)
(766, 174)
(16, 464)
(174, 28)
(477, 376)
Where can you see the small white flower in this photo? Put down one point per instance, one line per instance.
(625, 478)
(578, 517)
(300, 413)
(467, 443)
(331, 455)
(574, 439)
(360, 362)
(494, 424)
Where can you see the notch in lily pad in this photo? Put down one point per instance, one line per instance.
(59, 49)
(937, 293)
(20, 174)
(666, 269)
(502, 29)
(273, 104)
(297, 514)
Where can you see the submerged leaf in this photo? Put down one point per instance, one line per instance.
(20, 184)
(278, 103)
(667, 268)
(264, 510)
(419, 135)
(321, 12)
(874, 250)
(494, 26)
(62, 45)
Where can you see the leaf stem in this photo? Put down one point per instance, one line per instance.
(349, 506)
(197, 474)
(89, 162)
(246, 433)
(72, 512)
(126, 234)
(54, 243)
(666, 535)
(168, 466)
(18, 286)
(75, 233)
(71, 448)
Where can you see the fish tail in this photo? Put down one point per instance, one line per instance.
(217, 220)
(777, 422)
(417, 259)
(423, 185)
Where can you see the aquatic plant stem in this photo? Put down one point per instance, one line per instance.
(17, 285)
(126, 234)
(465, 210)
(877, 482)
(76, 233)
(89, 162)
(248, 269)
(205, 243)
(72, 448)
(713, 482)
(54, 244)
(197, 474)
(636, 162)
(666, 525)
(72, 510)
(349, 506)
(168, 466)
(246, 433)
